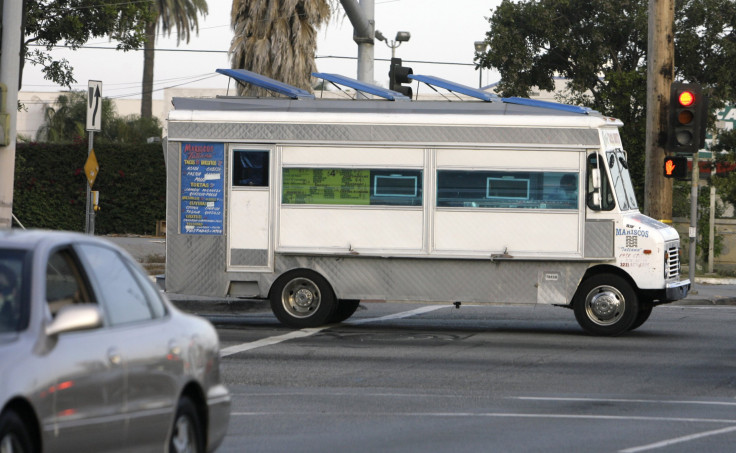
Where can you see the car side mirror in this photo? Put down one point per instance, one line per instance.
(75, 317)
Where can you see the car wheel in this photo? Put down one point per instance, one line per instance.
(606, 304)
(303, 298)
(14, 436)
(186, 435)
(344, 310)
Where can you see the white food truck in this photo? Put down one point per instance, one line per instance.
(317, 204)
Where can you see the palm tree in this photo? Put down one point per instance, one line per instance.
(278, 39)
(168, 14)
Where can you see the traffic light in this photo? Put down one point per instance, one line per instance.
(686, 125)
(675, 167)
(397, 75)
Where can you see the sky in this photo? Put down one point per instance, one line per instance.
(442, 32)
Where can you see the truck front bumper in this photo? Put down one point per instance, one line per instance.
(677, 290)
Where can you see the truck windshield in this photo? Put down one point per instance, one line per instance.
(621, 179)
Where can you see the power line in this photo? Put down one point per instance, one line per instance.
(225, 52)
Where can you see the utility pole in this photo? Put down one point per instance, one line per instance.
(12, 21)
(361, 16)
(660, 73)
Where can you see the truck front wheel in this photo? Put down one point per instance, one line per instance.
(303, 298)
(606, 305)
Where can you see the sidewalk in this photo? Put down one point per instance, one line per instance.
(711, 291)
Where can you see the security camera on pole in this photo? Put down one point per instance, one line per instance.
(91, 168)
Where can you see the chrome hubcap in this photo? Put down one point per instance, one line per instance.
(605, 305)
(301, 298)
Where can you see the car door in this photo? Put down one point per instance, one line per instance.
(85, 368)
(139, 320)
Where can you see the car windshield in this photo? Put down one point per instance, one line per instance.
(13, 291)
(621, 179)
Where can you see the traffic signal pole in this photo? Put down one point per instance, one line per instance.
(693, 230)
(660, 73)
(362, 18)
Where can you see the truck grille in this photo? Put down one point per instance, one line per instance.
(672, 262)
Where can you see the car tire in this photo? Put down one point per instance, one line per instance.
(14, 435)
(606, 305)
(302, 298)
(187, 434)
(345, 309)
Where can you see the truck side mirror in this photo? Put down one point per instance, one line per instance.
(596, 180)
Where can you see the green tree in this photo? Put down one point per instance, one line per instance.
(600, 48)
(277, 38)
(73, 23)
(65, 121)
(168, 14)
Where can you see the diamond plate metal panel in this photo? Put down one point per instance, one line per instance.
(599, 239)
(332, 133)
(187, 255)
(248, 257)
(437, 279)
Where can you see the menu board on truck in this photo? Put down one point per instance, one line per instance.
(202, 182)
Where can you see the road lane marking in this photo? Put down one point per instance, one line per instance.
(505, 415)
(403, 314)
(678, 440)
(624, 400)
(230, 350)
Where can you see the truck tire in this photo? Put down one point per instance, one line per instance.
(606, 305)
(302, 298)
(345, 309)
(642, 317)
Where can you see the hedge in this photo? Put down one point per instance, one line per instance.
(50, 187)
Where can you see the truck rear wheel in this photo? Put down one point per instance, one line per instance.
(345, 309)
(303, 298)
(606, 305)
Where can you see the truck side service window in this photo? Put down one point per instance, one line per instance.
(352, 186)
(250, 168)
(507, 189)
(607, 199)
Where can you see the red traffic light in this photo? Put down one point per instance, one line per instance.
(686, 98)
(686, 119)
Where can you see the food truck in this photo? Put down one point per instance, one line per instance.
(316, 204)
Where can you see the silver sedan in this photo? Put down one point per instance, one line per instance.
(94, 358)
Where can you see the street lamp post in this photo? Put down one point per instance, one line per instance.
(401, 36)
(480, 47)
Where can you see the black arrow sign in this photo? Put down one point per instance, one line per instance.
(97, 105)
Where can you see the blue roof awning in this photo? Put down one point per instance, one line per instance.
(456, 87)
(362, 86)
(267, 83)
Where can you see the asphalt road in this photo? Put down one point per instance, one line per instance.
(416, 378)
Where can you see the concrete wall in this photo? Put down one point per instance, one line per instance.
(725, 228)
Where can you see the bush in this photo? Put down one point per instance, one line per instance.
(50, 187)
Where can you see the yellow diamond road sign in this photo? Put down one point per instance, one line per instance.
(91, 168)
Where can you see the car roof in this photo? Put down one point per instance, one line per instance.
(31, 239)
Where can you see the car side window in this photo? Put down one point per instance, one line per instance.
(64, 282)
(121, 295)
